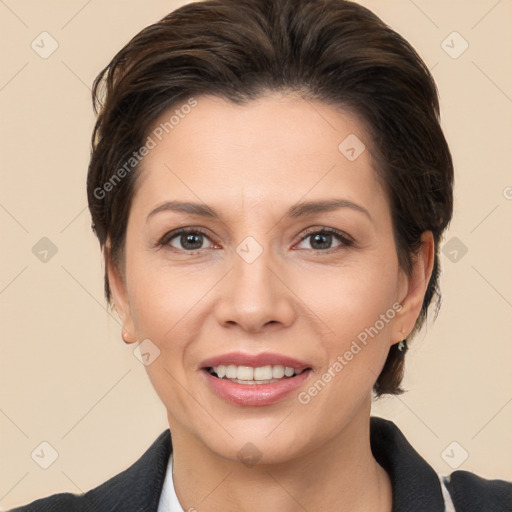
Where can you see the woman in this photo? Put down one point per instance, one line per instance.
(269, 184)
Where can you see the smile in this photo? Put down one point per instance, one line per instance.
(254, 380)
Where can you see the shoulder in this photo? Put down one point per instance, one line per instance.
(136, 489)
(416, 485)
(64, 501)
(472, 493)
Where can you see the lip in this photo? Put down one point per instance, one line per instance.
(254, 395)
(255, 360)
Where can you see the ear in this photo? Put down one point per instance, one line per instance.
(412, 288)
(119, 295)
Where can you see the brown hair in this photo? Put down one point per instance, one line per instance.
(333, 51)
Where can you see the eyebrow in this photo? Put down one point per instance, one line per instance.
(302, 209)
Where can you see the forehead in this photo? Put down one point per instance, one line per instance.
(269, 151)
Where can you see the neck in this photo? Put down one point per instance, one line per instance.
(341, 474)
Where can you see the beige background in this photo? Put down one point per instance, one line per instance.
(66, 377)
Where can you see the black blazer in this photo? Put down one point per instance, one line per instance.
(416, 486)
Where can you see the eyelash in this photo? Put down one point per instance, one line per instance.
(346, 240)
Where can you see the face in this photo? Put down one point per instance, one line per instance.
(284, 263)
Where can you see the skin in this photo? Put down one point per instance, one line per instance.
(295, 299)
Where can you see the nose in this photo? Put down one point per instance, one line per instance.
(255, 295)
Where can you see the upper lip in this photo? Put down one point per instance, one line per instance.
(254, 360)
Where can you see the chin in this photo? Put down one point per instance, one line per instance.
(258, 451)
(260, 441)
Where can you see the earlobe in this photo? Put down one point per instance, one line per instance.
(125, 335)
(416, 287)
(119, 297)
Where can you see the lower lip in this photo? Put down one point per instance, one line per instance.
(255, 395)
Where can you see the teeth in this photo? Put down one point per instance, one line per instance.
(231, 371)
(277, 372)
(245, 373)
(248, 374)
(289, 371)
(263, 373)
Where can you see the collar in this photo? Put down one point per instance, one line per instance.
(415, 484)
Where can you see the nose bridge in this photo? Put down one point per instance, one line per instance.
(252, 265)
(253, 295)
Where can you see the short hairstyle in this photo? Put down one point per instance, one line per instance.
(333, 51)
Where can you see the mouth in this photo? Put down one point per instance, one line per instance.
(254, 380)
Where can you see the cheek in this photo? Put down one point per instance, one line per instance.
(358, 307)
(163, 300)
(350, 299)
(165, 304)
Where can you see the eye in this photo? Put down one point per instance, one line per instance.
(322, 239)
(192, 240)
(185, 239)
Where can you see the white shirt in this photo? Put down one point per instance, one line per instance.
(448, 503)
(168, 499)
